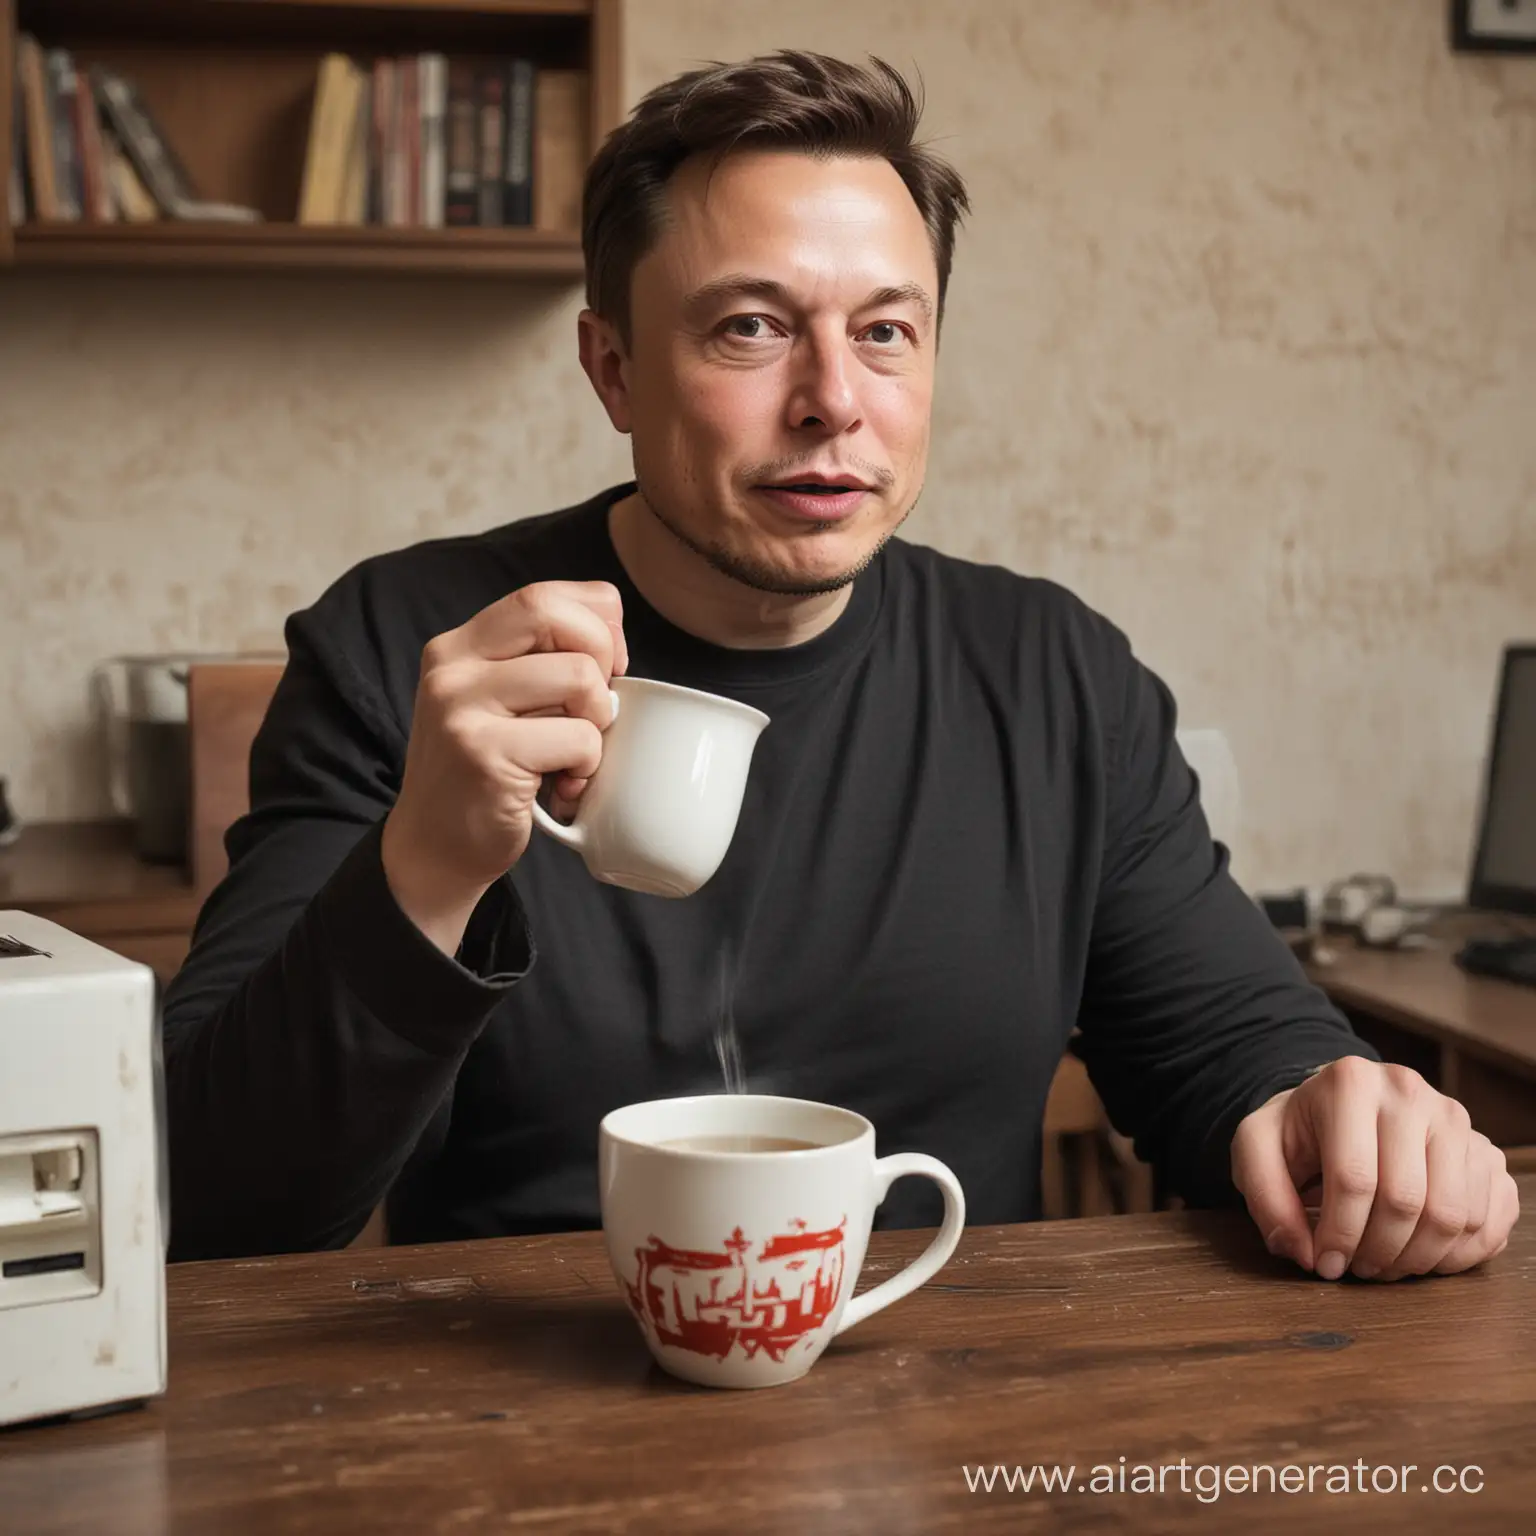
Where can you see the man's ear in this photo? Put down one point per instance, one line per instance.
(606, 364)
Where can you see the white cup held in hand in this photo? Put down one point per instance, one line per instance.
(660, 812)
(736, 1226)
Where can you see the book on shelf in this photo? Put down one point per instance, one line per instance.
(152, 156)
(491, 105)
(424, 141)
(381, 106)
(353, 206)
(462, 194)
(329, 156)
(134, 204)
(408, 151)
(402, 126)
(517, 161)
(86, 149)
(97, 199)
(561, 114)
(432, 102)
(37, 120)
(63, 84)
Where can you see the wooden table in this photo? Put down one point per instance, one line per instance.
(502, 1386)
(1474, 1037)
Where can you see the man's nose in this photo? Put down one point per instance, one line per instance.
(824, 393)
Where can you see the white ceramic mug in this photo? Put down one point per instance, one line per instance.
(660, 812)
(739, 1266)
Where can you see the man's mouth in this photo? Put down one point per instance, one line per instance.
(816, 487)
(817, 500)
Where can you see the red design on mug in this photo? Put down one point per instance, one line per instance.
(708, 1303)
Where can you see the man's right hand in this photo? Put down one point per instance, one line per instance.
(518, 692)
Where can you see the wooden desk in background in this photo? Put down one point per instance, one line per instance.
(502, 1384)
(1471, 1036)
(85, 877)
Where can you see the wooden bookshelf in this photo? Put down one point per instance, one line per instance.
(296, 247)
(232, 85)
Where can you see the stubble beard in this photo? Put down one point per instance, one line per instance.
(759, 575)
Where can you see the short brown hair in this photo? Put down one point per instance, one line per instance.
(787, 100)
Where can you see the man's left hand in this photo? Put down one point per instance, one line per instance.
(1408, 1187)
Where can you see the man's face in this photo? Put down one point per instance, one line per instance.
(782, 345)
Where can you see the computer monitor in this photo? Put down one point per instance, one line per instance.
(1504, 866)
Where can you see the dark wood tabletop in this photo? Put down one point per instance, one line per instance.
(501, 1386)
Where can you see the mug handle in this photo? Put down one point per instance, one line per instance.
(575, 835)
(934, 1257)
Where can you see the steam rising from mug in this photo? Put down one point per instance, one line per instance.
(660, 812)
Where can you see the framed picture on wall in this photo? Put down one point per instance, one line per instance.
(1493, 26)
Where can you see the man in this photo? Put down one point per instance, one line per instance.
(967, 831)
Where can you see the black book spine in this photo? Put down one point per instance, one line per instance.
(68, 179)
(492, 106)
(517, 185)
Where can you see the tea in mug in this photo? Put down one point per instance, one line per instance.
(743, 1142)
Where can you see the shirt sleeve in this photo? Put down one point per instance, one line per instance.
(1194, 1011)
(314, 1031)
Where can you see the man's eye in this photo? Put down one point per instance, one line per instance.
(747, 327)
(884, 333)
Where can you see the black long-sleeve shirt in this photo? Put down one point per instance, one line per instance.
(967, 829)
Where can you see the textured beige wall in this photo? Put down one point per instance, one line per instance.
(1242, 346)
